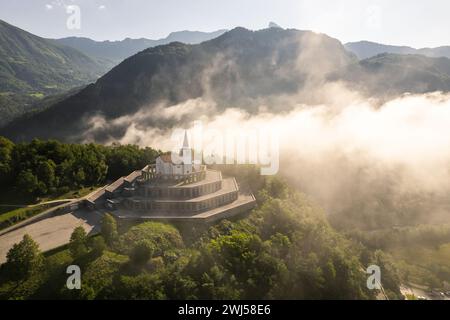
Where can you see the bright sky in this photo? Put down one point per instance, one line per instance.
(417, 23)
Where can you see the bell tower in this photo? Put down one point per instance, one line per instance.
(186, 152)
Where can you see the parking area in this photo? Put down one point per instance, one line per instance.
(52, 232)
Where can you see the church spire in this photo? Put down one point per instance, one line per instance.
(185, 142)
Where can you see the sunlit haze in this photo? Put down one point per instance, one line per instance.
(401, 22)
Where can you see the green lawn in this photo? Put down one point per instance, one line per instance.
(63, 251)
(12, 197)
(10, 218)
(5, 209)
(73, 194)
(10, 215)
(38, 95)
(51, 86)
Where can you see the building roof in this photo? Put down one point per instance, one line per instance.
(167, 157)
(115, 185)
(133, 176)
(95, 196)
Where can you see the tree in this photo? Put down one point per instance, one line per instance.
(143, 286)
(80, 177)
(162, 236)
(48, 167)
(98, 245)
(77, 244)
(141, 252)
(23, 259)
(46, 173)
(28, 182)
(109, 229)
(6, 149)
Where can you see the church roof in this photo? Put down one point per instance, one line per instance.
(167, 157)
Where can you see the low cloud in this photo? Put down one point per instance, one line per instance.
(367, 158)
(350, 150)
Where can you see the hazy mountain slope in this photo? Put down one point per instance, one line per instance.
(30, 63)
(367, 49)
(242, 69)
(443, 51)
(191, 37)
(32, 67)
(109, 52)
(235, 69)
(391, 74)
(113, 52)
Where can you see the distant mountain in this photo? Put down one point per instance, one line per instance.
(113, 52)
(367, 49)
(191, 37)
(32, 67)
(235, 69)
(239, 69)
(393, 74)
(273, 25)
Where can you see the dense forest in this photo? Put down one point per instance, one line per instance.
(41, 168)
(283, 249)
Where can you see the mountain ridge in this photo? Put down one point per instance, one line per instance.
(367, 49)
(116, 51)
(239, 69)
(262, 61)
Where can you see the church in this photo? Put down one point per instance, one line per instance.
(171, 164)
(175, 187)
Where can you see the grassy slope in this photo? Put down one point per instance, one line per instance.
(10, 216)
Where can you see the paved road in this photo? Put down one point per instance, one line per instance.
(37, 204)
(52, 232)
(420, 293)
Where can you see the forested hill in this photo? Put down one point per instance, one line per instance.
(390, 74)
(233, 69)
(283, 249)
(49, 168)
(241, 69)
(32, 67)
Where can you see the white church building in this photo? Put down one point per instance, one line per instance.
(172, 164)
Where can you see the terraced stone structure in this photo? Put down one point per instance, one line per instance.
(207, 192)
(168, 190)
